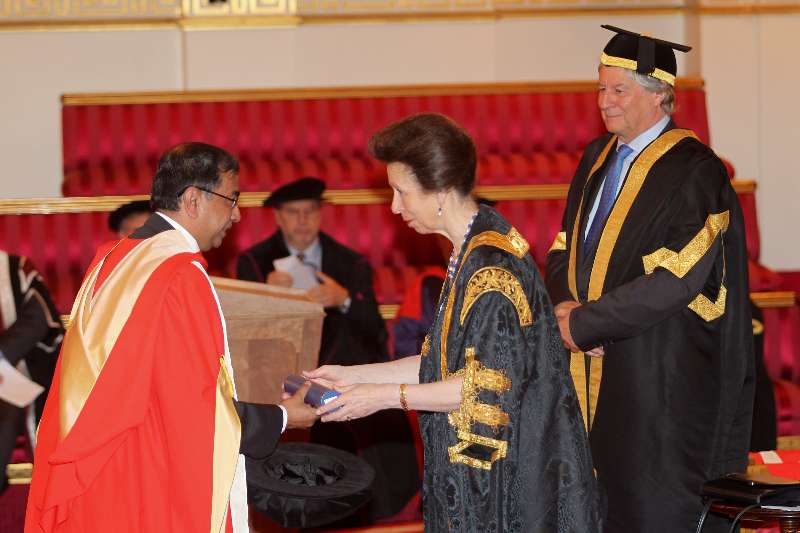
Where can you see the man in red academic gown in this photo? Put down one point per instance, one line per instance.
(142, 430)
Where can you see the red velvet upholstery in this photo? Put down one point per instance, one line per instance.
(112, 149)
(787, 404)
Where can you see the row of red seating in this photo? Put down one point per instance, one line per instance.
(533, 132)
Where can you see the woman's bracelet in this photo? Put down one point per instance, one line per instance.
(403, 399)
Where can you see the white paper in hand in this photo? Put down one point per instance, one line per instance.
(303, 276)
(15, 388)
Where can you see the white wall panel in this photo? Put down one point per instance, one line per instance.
(38, 67)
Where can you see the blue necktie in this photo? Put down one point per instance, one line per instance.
(607, 197)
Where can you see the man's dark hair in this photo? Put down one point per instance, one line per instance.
(185, 165)
(439, 152)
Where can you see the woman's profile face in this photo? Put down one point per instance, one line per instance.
(409, 200)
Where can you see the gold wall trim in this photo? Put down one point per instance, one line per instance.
(749, 9)
(789, 442)
(88, 25)
(249, 95)
(210, 18)
(19, 473)
(388, 311)
(770, 299)
(91, 204)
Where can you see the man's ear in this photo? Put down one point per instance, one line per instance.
(189, 202)
(658, 98)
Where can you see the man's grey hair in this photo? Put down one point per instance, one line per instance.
(654, 85)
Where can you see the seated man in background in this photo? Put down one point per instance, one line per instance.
(353, 332)
(30, 335)
(129, 217)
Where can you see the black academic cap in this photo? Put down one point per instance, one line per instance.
(124, 211)
(642, 53)
(306, 188)
(308, 485)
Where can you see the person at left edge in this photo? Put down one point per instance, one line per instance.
(142, 430)
(30, 336)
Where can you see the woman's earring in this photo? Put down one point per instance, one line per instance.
(439, 212)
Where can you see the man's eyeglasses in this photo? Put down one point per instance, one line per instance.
(233, 200)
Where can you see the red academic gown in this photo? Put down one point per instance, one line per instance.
(141, 454)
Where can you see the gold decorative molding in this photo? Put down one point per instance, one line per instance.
(94, 204)
(733, 8)
(19, 473)
(771, 299)
(76, 204)
(388, 311)
(385, 91)
(201, 15)
(789, 442)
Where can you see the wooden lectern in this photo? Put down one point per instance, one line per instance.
(272, 332)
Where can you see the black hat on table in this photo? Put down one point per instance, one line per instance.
(308, 485)
(306, 188)
(642, 53)
(117, 216)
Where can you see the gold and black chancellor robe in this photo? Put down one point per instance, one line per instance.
(514, 457)
(666, 295)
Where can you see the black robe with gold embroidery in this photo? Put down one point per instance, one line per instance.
(666, 295)
(514, 457)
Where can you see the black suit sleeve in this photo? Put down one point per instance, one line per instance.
(29, 328)
(363, 316)
(261, 428)
(247, 268)
(633, 307)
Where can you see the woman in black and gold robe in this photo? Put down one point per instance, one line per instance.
(505, 447)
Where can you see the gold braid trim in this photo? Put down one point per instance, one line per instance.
(493, 380)
(630, 64)
(426, 345)
(466, 440)
(496, 279)
(559, 243)
(758, 327)
(708, 310)
(572, 276)
(680, 263)
(476, 377)
(512, 242)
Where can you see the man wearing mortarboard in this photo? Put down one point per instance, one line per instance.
(649, 275)
(353, 332)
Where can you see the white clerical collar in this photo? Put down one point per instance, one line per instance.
(188, 236)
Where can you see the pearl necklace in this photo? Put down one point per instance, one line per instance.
(453, 263)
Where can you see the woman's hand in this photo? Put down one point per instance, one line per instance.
(358, 401)
(334, 376)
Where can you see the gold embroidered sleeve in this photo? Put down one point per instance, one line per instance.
(471, 411)
(496, 279)
(681, 262)
(559, 243)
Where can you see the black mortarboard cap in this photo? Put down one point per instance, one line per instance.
(124, 211)
(306, 188)
(642, 53)
(303, 485)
